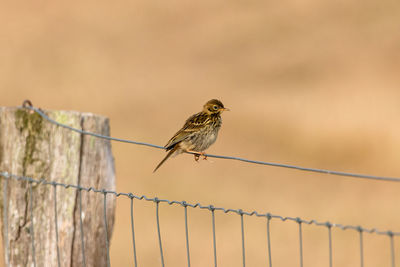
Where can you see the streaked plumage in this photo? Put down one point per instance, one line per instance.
(198, 133)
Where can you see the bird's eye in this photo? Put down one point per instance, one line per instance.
(215, 107)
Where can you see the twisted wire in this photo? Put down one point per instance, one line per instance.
(243, 243)
(361, 248)
(187, 235)
(213, 233)
(269, 241)
(159, 232)
(339, 173)
(7, 175)
(330, 244)
(133, 233)
(300, 242)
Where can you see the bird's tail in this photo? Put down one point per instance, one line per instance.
(166, 157)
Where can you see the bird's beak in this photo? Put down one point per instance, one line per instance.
(225, 109)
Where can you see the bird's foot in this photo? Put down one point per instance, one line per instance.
(197, 155)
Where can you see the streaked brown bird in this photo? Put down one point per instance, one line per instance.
(199, 132)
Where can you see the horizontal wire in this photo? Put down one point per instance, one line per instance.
(200, 206)
(339, 173)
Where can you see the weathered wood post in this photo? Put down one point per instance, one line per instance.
(33, 147)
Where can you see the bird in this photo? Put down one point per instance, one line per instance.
(198, 133)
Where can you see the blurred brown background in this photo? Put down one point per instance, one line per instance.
(309, 83)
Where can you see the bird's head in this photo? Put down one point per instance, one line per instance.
(214, 106)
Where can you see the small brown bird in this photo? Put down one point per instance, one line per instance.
(199, 132)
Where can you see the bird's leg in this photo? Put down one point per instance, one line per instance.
(198, 154)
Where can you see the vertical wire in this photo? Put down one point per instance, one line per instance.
(392, 248)
(31, 227)
(106, 228)
(330, 244)
(133, 232)
(361, 247)
(5, 221)
(56, 223)
(243, 243)
(269, 241)
(159, 233)
(187, 235)
(214, 239)
(300, 242)
(81, 228)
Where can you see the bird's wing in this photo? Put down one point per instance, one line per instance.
(193, 124)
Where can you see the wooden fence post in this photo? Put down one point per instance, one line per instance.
(33, 147)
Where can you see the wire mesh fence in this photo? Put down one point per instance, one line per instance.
(267, 217)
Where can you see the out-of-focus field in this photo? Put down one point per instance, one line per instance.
(309, 83)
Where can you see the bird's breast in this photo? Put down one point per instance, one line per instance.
(204, 138)
(212, 137)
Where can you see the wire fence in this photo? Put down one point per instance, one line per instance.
(28, 105)
(267, 216)
(391, 235)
